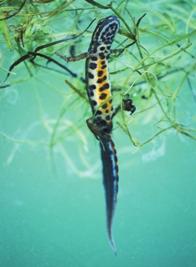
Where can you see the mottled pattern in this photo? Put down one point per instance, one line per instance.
(100, 97)
(97, 72)
(99, 87)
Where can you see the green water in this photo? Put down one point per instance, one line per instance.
(52, 208)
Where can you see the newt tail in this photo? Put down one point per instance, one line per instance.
(110, 182)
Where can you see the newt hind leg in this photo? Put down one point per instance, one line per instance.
(127, 105)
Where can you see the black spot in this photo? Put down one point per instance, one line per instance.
(100, 80)
(113, 25)
(98, 112)
(90, 75)
(107, 117)
(92, 87)
(103, 96)
(110, 101)
(93, 102)
(91, 93)
(108, 127)
(103, 67)
(104, 106)
(94, 50)
(102, 48)
(107, 130)
(102, 55)
(104, 87)
(107, 111)
(99, 121)
(93, 58)
(100, 73)
(92, 65)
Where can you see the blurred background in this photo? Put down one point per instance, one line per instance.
(52, 208)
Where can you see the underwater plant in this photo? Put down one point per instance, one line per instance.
(151, 62)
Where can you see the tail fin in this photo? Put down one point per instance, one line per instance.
(110, 182)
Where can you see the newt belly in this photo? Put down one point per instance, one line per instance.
(99, 91)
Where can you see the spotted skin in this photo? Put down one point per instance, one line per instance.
(100, 98)
(99, 88)
(97, 71)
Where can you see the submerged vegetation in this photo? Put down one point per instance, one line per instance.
(153, 61)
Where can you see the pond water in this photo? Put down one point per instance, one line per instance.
(52, 208)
